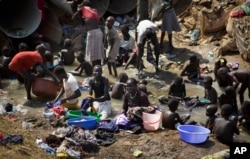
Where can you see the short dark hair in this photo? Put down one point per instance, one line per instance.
(173, 104)
(124, 27)
(193, 58)
(226, 110)
(208, 79)
(123, 77)
(41, 48)
(133, 81)
(59, 70)
(23, 47)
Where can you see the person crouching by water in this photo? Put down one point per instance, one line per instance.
(99, 86)
(70, 89)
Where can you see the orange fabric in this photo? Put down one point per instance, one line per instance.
(88, 12)
(23, 61)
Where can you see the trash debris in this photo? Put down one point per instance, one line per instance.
(137, 153)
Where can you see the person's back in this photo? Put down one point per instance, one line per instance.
(118, 88)
(170, 118)
(67, 53)
(211, 116)
(210, 92)
(191, 68)
(177, 88)
(224, 128)
(244, 118)
(229, 97)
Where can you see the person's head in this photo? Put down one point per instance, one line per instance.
(173, 105)
(211, 109)
(226, 110)
(178, 81)
(6, 51)
(123, 77)
(97, 71)
(60, 72)
(230, 91)
(23, 47)
(41, 49)
(193, 58)
(208, 81)
(222, 73)
(86, 3)
(245, 108)
(80, 56)
(125, 29)
(143, 81)
(131, 85)
(149, 33)
(143, 88)
(48, 56)
(110, 22)
(67, 43)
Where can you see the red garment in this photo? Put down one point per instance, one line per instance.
(40, 6)
(88, 12)
(25, 60)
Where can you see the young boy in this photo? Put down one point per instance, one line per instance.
(67, 54)
(210, 93)
(142, 85)
(191, 68)
(118, 88)
(224, 127)
(235, 78)
(177, 90)
(113, 44)
(244, 119)
(171, 119)
(84, 65)
(229, 97)
(210, 113)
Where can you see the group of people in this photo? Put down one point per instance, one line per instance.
(108, 46)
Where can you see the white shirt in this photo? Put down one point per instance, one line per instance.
(141, 28)
(70, 86)
(127, 45)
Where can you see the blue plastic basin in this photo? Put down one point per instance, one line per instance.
(193, 134)
(86, 122)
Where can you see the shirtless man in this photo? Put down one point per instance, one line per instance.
(94, 46)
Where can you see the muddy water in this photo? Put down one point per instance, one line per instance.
(157, 87)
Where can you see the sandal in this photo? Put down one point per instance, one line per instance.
(10, 118)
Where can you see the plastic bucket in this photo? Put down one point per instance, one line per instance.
(19, 19)
(74, 114)
(151, 122)
(45, 88)
(86, 122)
(97, 115)
(193, 134)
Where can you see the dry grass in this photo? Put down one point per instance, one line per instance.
(28, 149)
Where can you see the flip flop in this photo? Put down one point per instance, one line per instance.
(9, 118)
